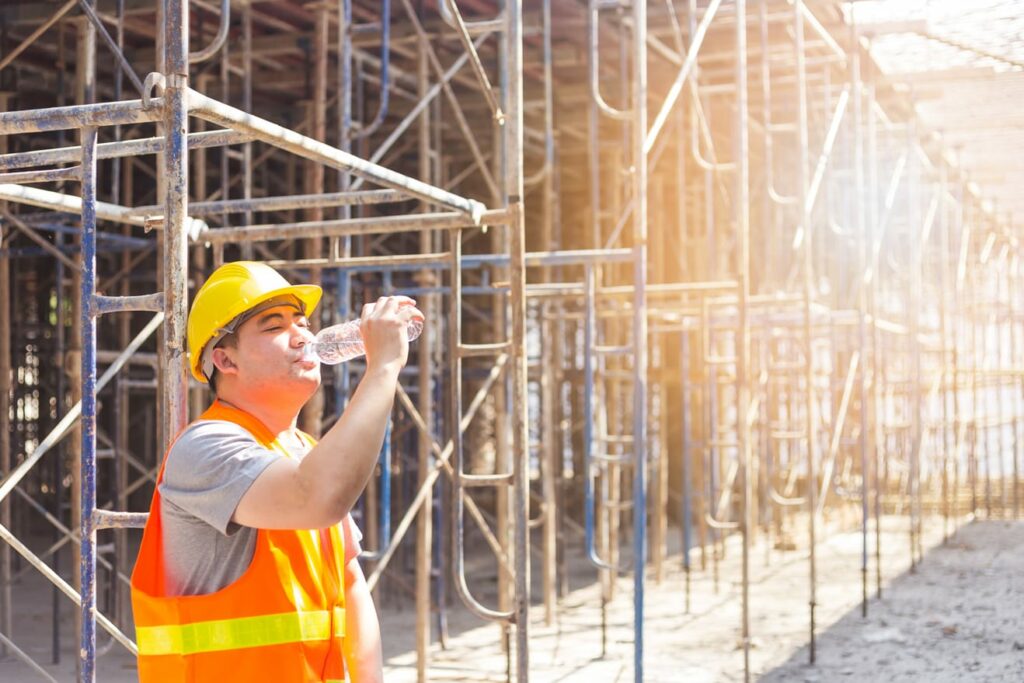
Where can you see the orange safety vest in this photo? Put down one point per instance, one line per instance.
(283, 620)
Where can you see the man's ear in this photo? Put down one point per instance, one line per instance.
(223, 361)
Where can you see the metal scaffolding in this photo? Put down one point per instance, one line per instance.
(688, 267)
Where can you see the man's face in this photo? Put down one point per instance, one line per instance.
(268, 356)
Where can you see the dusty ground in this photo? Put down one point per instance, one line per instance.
(960, 617)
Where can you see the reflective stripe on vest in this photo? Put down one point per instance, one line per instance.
(235, 634)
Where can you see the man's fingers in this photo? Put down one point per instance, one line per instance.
(411, 313)
(389, 305)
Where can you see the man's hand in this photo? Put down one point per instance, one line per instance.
(383, 327)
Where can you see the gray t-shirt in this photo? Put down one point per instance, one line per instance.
(209, 468)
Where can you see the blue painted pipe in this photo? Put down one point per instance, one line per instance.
(343, 380)
(684, 377)
(712, 449)
(640, 464)
(385, 494)
(440, 588)
(87, 557)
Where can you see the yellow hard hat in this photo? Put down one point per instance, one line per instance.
(232, 290)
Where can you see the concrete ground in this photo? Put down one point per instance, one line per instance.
(959, 617)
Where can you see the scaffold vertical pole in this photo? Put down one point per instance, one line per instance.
(520, 435)
(175, 241)
(87, 557)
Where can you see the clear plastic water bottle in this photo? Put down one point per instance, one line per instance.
(343, 342)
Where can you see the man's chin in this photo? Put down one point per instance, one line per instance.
(310, 378)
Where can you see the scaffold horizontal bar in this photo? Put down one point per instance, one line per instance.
(571, 257)
(442, 261)
(45, 175)
(482, 480)
(373, 225)
(612, 459)
(56, 201)
(217, 112)
(79, 115)
(115, 304)
(620, 350)
(110, 519)
(122, 148)
(141, 358)
(301, 201)
(478, 350)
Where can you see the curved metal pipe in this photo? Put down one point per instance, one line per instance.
(588, 424)
(705, 130)
(716, 524)
(218, 40)
(779, 499)
(766, 89)
(595, 90)
(385, 58)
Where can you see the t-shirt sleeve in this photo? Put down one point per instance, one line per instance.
(210, 467)
(352, 536)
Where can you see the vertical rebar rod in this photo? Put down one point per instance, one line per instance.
(1013, 285)
(686, 455)
(912, 347)
(425, 401)
(876, 352)
(639, 197)
(862, 302)
(742, 207)
(949, 428)
(808, 296)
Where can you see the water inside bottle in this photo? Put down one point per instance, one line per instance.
(341, 343)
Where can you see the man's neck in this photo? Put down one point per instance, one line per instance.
(274, 418)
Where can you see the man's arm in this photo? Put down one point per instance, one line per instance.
(364, 659)
(318, 491)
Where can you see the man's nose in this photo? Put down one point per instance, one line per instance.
(303, 335)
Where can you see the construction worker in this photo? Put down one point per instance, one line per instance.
(247, 569)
